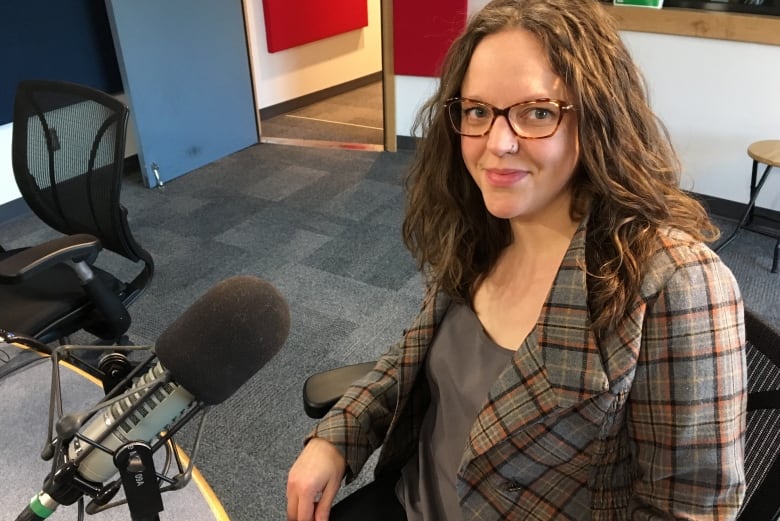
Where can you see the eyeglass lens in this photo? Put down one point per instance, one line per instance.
(533, 119)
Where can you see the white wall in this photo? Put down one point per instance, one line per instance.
(295, 72)
(715, 97)
(410, 93)
(8, 190)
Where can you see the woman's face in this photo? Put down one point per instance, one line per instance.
(520, 179)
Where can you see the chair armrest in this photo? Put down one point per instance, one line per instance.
(28, 262)
(322, 390)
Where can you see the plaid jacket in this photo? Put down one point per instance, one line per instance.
(648, 424)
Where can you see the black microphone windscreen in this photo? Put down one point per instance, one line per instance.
(225, 337)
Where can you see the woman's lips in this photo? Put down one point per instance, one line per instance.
(504, 177)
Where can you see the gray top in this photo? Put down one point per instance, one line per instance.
(462, 364)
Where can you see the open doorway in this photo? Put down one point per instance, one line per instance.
(331, 92)
(352, 118)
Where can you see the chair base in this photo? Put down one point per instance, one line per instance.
(775, 256)
(745, 222)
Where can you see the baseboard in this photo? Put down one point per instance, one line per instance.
(320, 95)
(132, 165)
(406, 142)
(733, 210)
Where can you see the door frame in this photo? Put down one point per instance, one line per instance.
(388, 75)
(250, 49)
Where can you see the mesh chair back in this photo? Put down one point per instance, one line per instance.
(762, 441)
(68, 152)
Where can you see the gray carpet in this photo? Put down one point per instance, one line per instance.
(323, 226)
(750, 259)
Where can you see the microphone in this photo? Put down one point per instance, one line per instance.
(203, 357)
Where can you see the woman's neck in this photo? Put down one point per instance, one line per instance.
(542, 237)
(509, 299)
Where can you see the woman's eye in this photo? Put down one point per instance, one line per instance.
(476, 112)
(535, 115)
(540, 113)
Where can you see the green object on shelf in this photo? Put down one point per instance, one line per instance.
(657, 4)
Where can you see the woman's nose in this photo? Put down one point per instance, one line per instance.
(501, 138)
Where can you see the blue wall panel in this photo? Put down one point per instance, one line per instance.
(56, 40)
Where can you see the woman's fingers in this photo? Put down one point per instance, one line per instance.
(313, 481)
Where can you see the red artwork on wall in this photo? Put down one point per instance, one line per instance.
(422, 33)
(289, 23)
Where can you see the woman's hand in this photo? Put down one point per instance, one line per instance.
(313, 481)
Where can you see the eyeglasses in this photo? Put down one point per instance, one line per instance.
(534, 119)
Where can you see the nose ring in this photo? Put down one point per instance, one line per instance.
(513, 149)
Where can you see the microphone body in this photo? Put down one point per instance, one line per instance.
(147, 419)
(231, 332)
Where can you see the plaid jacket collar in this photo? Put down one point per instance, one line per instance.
(557, 366)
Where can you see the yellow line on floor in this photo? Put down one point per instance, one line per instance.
(334, 122)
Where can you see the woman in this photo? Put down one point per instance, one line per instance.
(579, 354)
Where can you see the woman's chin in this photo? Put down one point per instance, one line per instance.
(500, 211)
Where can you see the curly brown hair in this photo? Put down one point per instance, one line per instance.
(628, 175)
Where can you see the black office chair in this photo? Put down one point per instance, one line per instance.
(68, 144)
(322, 390)
(762, 444)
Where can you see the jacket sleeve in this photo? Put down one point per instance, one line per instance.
(686, 416)
(357, 425)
